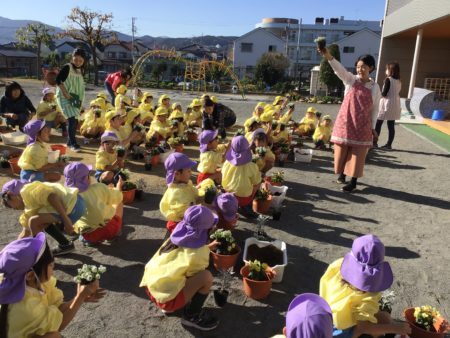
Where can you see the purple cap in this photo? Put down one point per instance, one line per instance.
(32, 128)
(13, 186)
(176, 161)
(309, 316)
(239, 152)
(257, 132)
(16, 259)
(227, 205)
(192, 231)
(76, 175)
(364, 266)
(205, 137)
(109, 136)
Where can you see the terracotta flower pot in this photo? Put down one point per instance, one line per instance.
(192, 137)
(418, 332)
(61, 147)
(155, 160)
(13, 163)
(262, 206)
(224, 262)
(256, 289)
(128, 196)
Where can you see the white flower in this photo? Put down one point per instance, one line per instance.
(89, 278)
(77, 280)
(85, 267)
(101, 269)
(93, 268)
(80, 271)
(97, 276)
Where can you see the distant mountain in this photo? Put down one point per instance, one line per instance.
(8, 29)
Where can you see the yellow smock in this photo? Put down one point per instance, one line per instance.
(165, 274)
(347, 304)
(121, 132)
(37, 313)
(100, 207)
(103, 159)
(193, 116)
(34, 157)
(158, 127)
(281, 137)
(118, 100)
(261, 162)
(211, 160)
(240, 180)
(285, 118)
(322, 131)
(35, 197)
(44, 106)
(177, 198)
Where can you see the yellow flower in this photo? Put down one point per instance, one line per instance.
(264, 266)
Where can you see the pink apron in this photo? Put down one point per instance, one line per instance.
(353, 125)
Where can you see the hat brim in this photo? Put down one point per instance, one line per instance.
(239, 158)
(312, 297)
(364, 277)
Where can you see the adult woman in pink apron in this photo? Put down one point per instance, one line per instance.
(354, 129)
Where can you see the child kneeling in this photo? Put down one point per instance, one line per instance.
(177, 277)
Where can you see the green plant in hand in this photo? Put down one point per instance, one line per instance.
(89, 273)
(120, 151)
(227, 242)
(261, 151)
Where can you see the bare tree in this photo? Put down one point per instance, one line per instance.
(92, 28)
(35, 35)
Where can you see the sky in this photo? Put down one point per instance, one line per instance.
(181, 18)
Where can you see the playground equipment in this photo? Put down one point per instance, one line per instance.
(194, 71)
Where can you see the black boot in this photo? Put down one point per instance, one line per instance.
(351, 186)
(193, 315)
(341, 179)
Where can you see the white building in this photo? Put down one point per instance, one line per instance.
(250, 47)
(298, 39)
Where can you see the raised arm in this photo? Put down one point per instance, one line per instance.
(347, 77)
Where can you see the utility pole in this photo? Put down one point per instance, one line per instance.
(133, 31)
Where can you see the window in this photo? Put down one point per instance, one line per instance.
(246, 47)
(112, 55)
(348, 49)
(122, 55)
(272, 48)
(292, 35)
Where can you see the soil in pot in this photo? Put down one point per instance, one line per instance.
(276, 215)
(269, 254)
(139, 194)
(220, 297)
(4, 164)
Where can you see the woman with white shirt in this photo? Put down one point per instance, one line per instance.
(354, 129)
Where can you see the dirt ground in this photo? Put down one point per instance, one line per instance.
(403, 198)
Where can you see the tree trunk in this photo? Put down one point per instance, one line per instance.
(38, 66)
(94, 55)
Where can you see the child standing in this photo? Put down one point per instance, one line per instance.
(102, 220)
(34, 159)
(31, 304)
(177, 277)
(389, 103)
(44, 205)
(322, 134)
(240, 175)
(352, 287)
(212, 156)
(49, 111)
(107, 161)
(15, 106)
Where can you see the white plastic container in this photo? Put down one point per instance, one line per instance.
(277, 201)
(163, 156)
(15, 138)
(53, 156)
(279, 269)
(303, 155)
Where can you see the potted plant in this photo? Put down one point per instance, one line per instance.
(191, 134)
(226, 254)
(221, 294)
(386, 301)
(257, 279)
(88, 274)
(14, 162)
(120, 151)
(176, 144)
(261, 151)
(261, 203)
(277, 178)
(426, 322)
(128, 192)
(321, 42)
(140, 188)
(240, 132)
(284, 152)
(4, 161)
(210, 194)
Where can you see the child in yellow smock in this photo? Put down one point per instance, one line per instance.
(164, 101)
(177, 276)
(94, 122)
(122, 99)
(34, 160)
(108, 105)
(102, 220)
(32, 305)
(212, 156)
(265, 158)
(180, 193)
(352, 287)
(107, 160)
(146, 108)
(176, 120)
(49, 111)
(308, 123)
(240, 175)
(194, 117)
(114, 123)
(160, 129)
(322, 134)
(45, 204)
(134, 130)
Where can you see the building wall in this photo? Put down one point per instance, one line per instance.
(246, 61)
(363, 43)
(120, 52)
(17, 66)
(433, 59)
